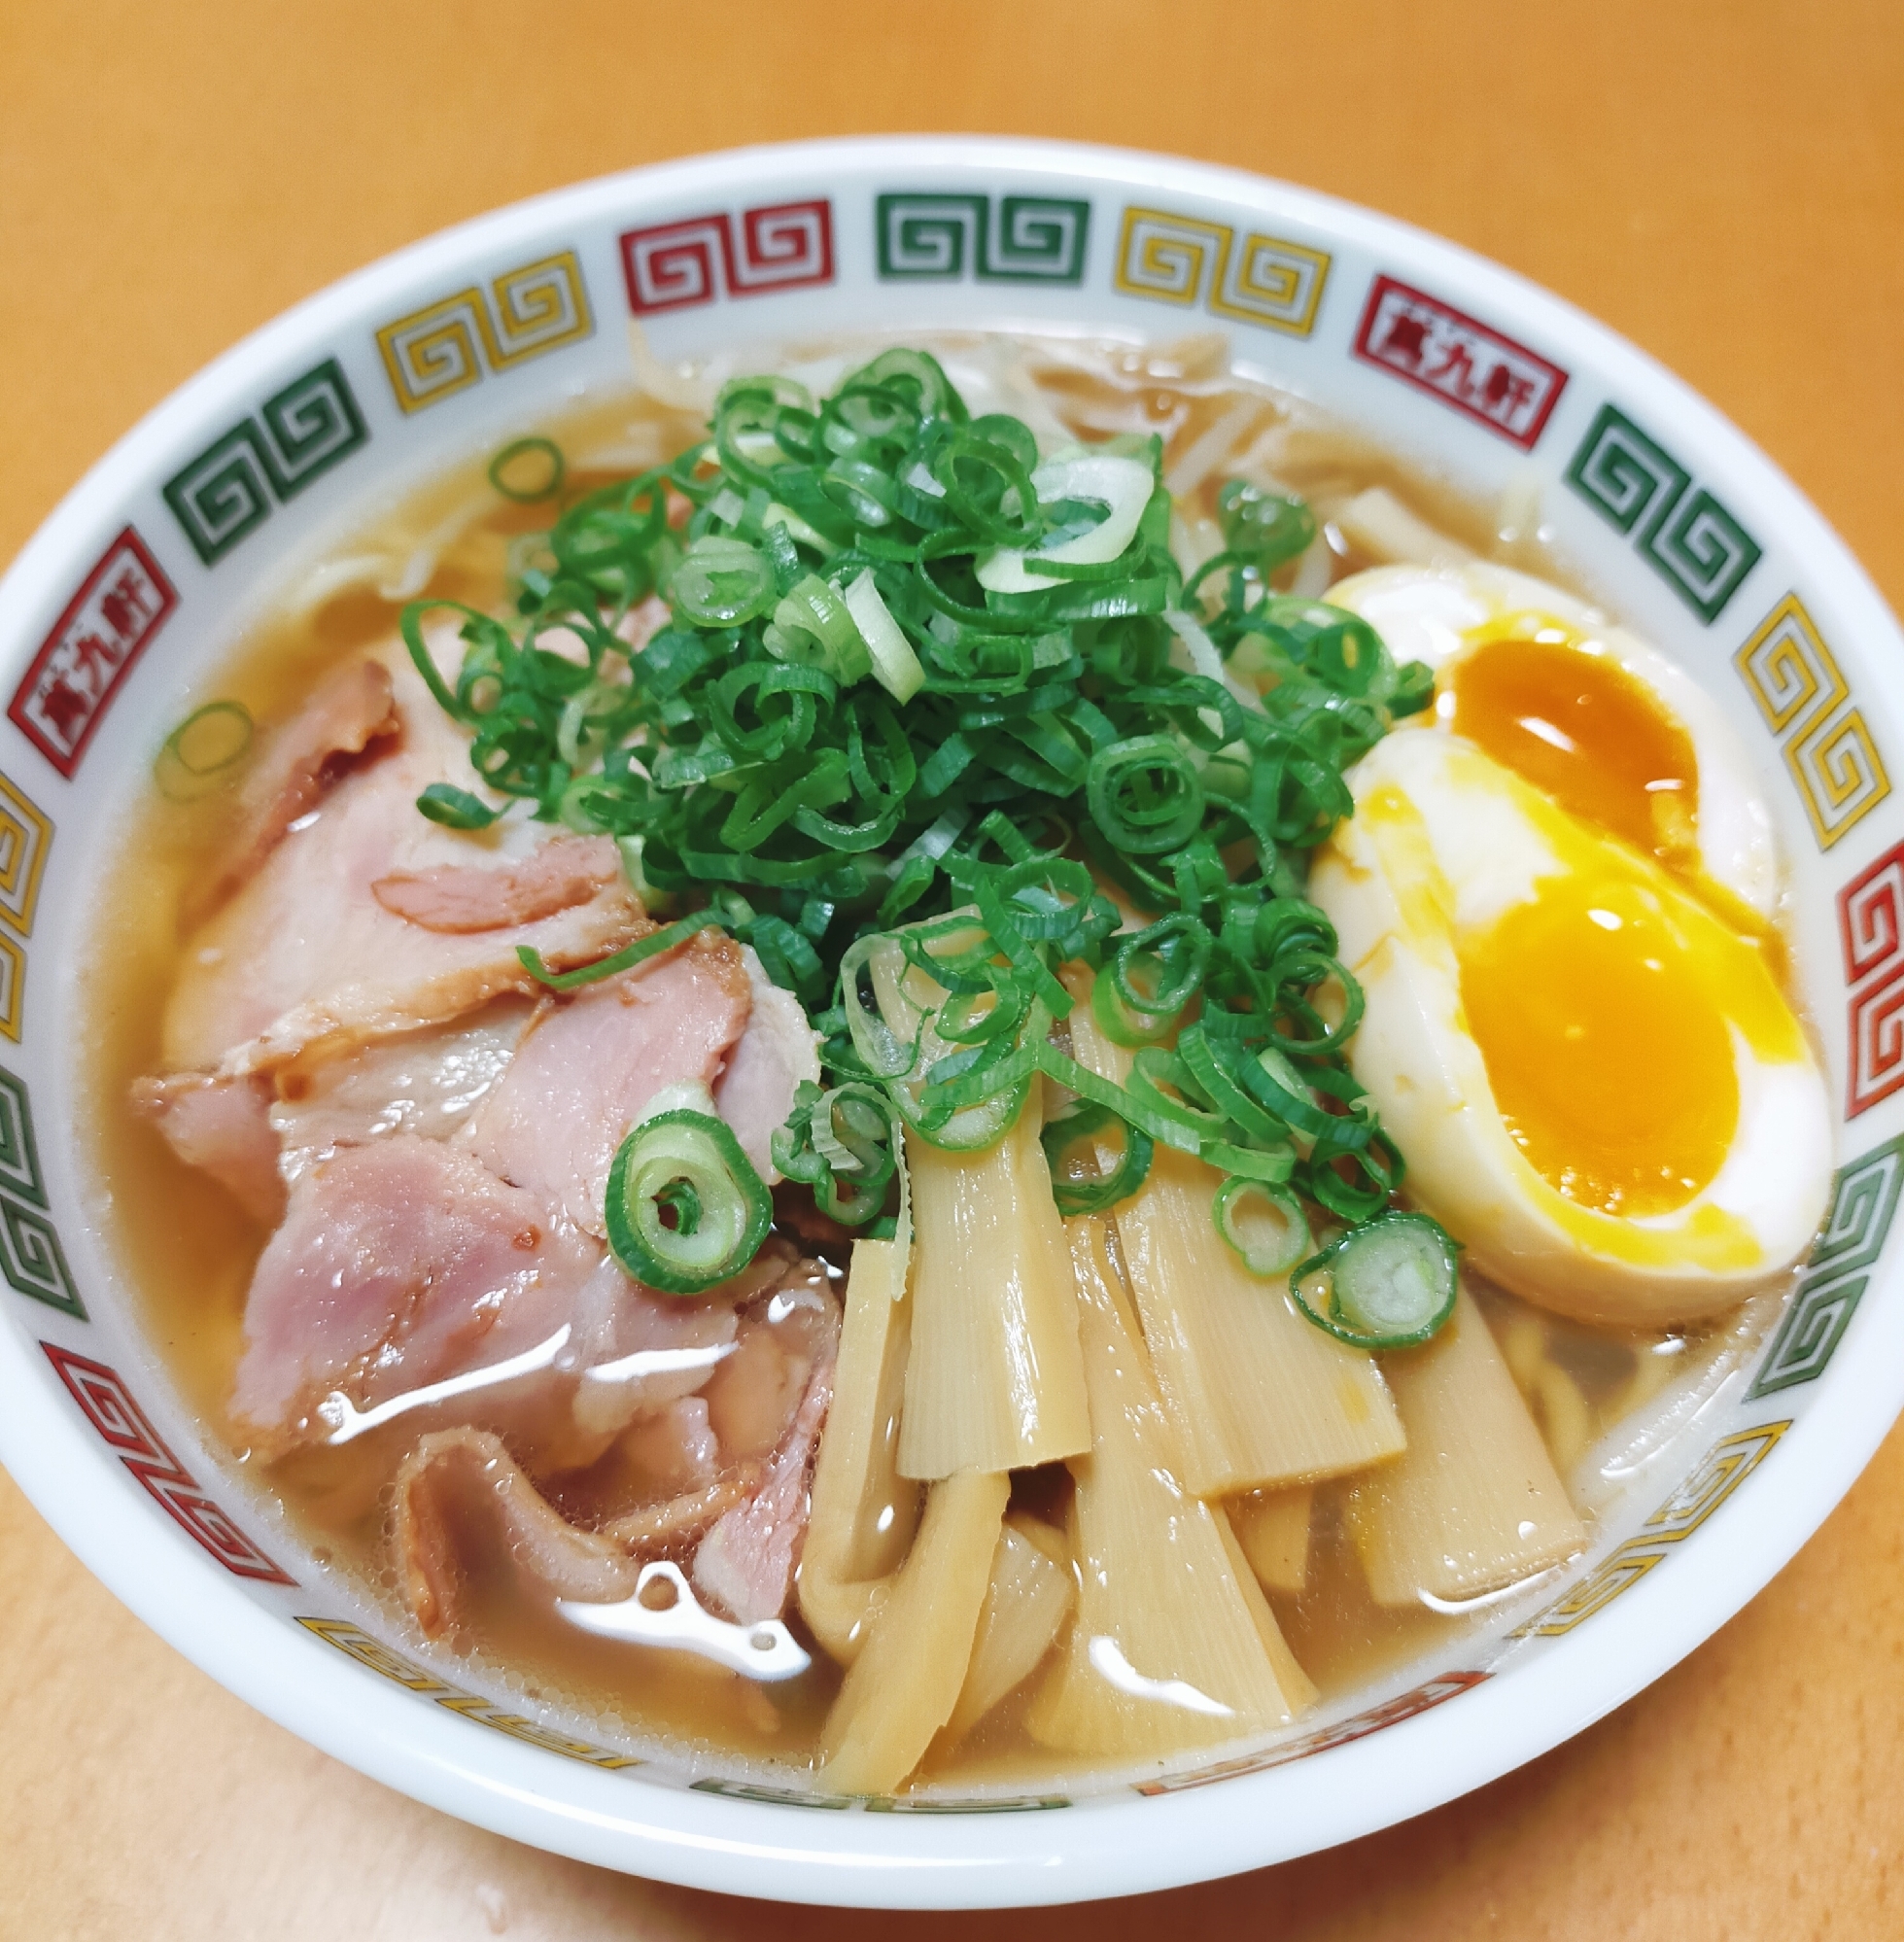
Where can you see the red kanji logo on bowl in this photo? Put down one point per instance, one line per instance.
(1451, 356)
(78, 669)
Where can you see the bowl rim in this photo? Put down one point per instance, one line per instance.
(983, 1860)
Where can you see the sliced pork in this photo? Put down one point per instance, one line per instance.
(223, 1125)
(459, 898)
(425, 1082)
(587, 1070)
(463, 1496)
(398, 1265)
(778, 1051)
(350, 708)
(745, 1564)
(460, 1495)
(305, 953)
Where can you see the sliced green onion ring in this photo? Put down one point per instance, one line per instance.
(688, 1163)
(1388, 1284)
(637, 953)
(1093, 1193)
(507, 470)
(1263, 1224)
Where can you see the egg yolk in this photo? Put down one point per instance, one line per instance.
(1604, 1009)
(1583, 731)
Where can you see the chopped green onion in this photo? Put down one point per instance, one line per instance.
(895, 667)
(914, 674)
(625, 960)
(686, 1165)
(722, 582)
(1385, 1285)
(212, 738)
(1078, 1191)
(1265, 1225)
(456, 808)
(528, 470)
(201, 753)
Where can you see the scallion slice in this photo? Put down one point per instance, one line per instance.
(918, 711)
(1387, 1284)
(685, 1209)
(1080, 1191)
(1263, 1224)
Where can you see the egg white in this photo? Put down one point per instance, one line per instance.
(1475, 845)
(1435, 613)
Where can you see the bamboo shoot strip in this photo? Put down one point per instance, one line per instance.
(994, 1380)
(905, 1681)
(1258, 1397)
(1475, 1503)
(1173, 1644)
(864, 1512)
(1028, 1601)
(1272, 1526)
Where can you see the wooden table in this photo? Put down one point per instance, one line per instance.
(1723, 180)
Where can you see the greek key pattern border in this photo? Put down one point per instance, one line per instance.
(1870, 937)
(109, 1406)
(296, 436)
(1255, 278)
(1793, 678)
(375, 1656)
(927, 234)
(1680, 526)
(696, 260)
(522, 313)
(1863, 1205)
(1716, 1475)
(31, 1259)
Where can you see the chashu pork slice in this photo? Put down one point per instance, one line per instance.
(294, 766)
(366, 919)
(221, 1126)
(778, 1048)
(462, 1495)
(398, 1265)
(589, 1066)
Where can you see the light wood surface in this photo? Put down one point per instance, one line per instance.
(1722, 182)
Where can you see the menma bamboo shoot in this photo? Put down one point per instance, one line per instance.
(1475, 1503)
(1272, 1526)
(904, 1684)
(1029, 1600)
(1258, 1395)
(864, 1512)
(1173, 1644)
(993, 1382)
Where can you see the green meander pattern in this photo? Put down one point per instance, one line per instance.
(299, 433)
(1641, 490)
(1863, 1203)
(32, 1258)
(921, 235)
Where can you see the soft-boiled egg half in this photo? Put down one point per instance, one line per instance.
(1591, 713)
(1573, 1030)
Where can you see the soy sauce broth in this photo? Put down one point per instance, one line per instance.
(187, 1250)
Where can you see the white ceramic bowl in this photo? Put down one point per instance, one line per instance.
(134, 587)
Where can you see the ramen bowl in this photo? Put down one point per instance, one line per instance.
(142, 580)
